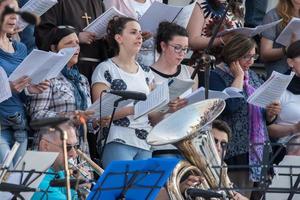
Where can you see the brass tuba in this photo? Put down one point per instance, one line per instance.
(189, 129)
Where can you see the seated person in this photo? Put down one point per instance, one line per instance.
(50, 141)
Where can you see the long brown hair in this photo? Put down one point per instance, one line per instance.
(285, 11)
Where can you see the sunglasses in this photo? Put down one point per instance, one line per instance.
(69, 146)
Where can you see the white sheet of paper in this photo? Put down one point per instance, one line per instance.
(5, 91)
(99, 25)
(177, 87)
(199, 95)
(34, 160)
(271, 90)
(156, 99)
(41, 65)
(184, 16)
(37, 7)
(157, 13)
(250, 32)
(107, 105)
(293, 27)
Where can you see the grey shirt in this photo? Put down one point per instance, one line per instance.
(279, 65)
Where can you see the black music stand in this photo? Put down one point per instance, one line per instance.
(139, 179)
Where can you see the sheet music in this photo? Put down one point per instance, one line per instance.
(157, 98)
(271, 90)
(178, 86)
(34, 160)
(157, 13)
(5, 91)
(199, 95)
(184, 16)
(41, 65)
(37, 7)
(107, 105)
(99, 25)
(285, 36)
(250, 32)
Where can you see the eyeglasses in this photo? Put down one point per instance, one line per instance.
(222, 143)
(249, 57)
(179, 49)
(69, 146)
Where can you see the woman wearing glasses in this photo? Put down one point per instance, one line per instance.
(247, 122)
(172, 45)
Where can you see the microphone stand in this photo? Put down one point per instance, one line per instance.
(208, 60)
(64, 137)
(116, 103)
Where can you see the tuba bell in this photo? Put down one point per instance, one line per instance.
(189, 129)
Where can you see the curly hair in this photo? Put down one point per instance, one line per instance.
(285, 11)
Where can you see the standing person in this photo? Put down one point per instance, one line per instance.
(247, 122)
(136, 9)
(77, 14)
(272, 53)
(127, 136)
(12, 111)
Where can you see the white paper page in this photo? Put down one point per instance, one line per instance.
(5, 91)
(271, 90)
(107, 105)
(285, 36)
(157, 13)
(177, 87)
(199, 95)
(34, 160)
(184, 16)
(99, 25)
(250, 32)
(41, 65)
(37, 7)
(157, 98)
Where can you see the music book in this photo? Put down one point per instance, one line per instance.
(293, 27)
(32, 160)
(99, 25)
(199, 95)
(37, 7)
(250, 32)
(271, 90)
(5, 92)
(107, 105)
(41, 65)
(159, 12)
(133, 180)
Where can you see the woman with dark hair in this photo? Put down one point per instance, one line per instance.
(287, 123)
(12, 111)
(247, 122)
(272, 53)
(127, 136)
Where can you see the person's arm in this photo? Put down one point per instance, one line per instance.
(278, 131)
(268, 52)
(194, 28)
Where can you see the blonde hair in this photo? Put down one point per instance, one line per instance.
(285, 11)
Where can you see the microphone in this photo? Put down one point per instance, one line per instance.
(52, 122)
(26, 16)
(62, 182)
(206, 194)
(139, 96)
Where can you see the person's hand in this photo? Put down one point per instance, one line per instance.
(86, 37)
(146, 35)
(236, 69)
(296, 127)
(39, 88)
(103, 122)
(238, 196)
(176, 104)
(19, 84)
(272, 110)
(80, 116)
(191, 181)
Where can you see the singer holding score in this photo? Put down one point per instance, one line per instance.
(12, 111)
(127, 136)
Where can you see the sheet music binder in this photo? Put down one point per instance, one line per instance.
(133, 180)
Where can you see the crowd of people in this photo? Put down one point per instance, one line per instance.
(128, 59)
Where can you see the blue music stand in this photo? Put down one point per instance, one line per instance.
(133, 180)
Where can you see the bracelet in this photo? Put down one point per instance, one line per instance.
(271, 122)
